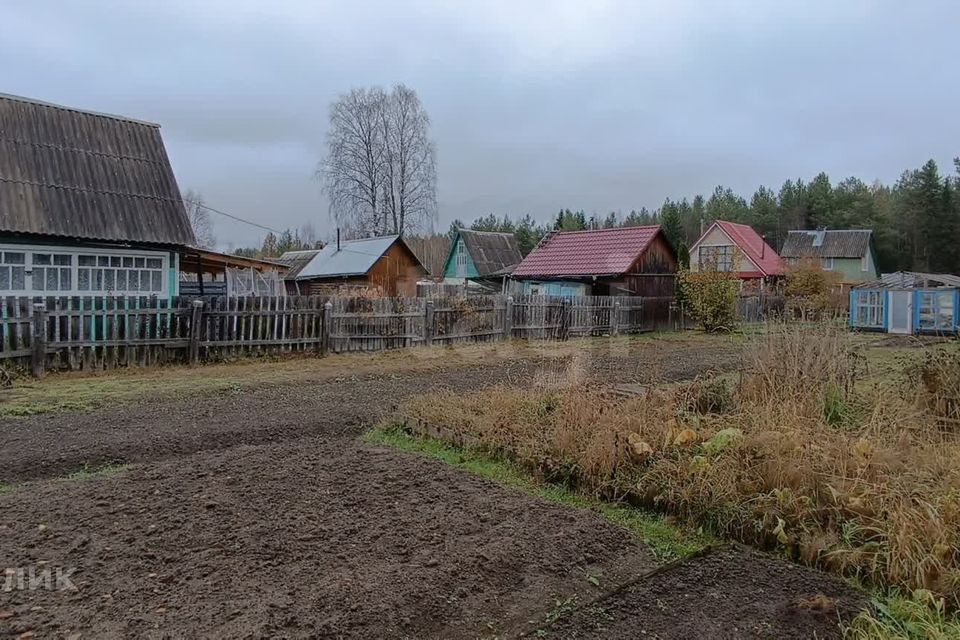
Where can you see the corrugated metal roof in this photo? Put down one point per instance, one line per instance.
(587, 253)
(353, 258)
(79, 174)
(297, 260)
(912, 280)
(835, 243)
(492, 252)
(753, 246)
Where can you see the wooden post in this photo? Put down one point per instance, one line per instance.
(38, 339)
(565, 319)
(615, 319)
(196, 317)
(508, 319)
(428, 328)
(325, 328)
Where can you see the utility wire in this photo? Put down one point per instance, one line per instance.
(233, 217)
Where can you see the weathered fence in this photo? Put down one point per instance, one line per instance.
(105, 332)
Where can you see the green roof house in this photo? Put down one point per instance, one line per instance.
(481, 255)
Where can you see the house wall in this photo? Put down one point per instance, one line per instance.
(450, 268)
(716, 237)
(84, 269)
(395, 274)
(566, 288)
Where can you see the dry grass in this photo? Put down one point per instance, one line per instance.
(859, 479)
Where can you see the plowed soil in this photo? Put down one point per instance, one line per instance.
(261, 514)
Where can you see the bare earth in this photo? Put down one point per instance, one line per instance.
(257, 512)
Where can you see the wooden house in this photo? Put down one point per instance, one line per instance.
(485, 258)
(848, 252)
(738, 249)
(88, 204)
(380, 266)
(602, 262)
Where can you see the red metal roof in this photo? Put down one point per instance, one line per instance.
(750, 242)
(587, 253)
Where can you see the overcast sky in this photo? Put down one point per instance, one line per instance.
(535, 105)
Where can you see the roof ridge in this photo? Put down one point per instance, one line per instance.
(62, 107)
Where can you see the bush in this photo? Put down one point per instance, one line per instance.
(812, 292)
(710, 297)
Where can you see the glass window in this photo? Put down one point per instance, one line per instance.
(18, 278)
(133, 281)
(83, 279)
(121, 280)
(157, 281)
(154, 263)
(128, 262)
(42, 258)
(14, 257)
(66, 279)
(719, 258)
(4, 278)
(116, 261)
(109, 281)
(39, 278)
(88, 261)
(139, 262)
(63, 260)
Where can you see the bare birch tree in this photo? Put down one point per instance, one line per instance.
(380, 172)
(200, 219)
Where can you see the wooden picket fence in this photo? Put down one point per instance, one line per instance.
(105, 332)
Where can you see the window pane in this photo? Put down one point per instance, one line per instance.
(4, 278)
(66, 275)
(116, 261)
(14, 257)
(154, 263)
(144, 280)
(103, 261)
(157, 281)
(41, 258)
(98, 279)
(133, 281)
(83, 279)
(108, 280)
(88, 261)
(18, 278)
(52, 280)
(128, 262)
(121, 280)
(39, 278)
(138, 262)
(63, 260)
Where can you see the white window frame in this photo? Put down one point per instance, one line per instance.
(721, 258)
(461, 258)
(826, 264)
(75, 252)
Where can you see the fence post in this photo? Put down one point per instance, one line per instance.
(428, 323)
(615, 319)
(508, 318)
(38, 339)
(196, 317)
(565, 319)
(325, 327)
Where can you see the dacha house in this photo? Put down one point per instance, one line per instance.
(482, 258)
(601, 262)
(737, 249)
(88, 204)
(850, 252)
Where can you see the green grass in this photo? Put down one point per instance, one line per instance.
(898, 617)
(88, 472)
(666, 541)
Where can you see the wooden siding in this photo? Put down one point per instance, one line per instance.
(394, 274)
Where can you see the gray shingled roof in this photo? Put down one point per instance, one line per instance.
(79, 174)
(297, 260)
(834, 243)
(493, 253)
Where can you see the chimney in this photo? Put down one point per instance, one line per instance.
(763, 247)
(338, 238)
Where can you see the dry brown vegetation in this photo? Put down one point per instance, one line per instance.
(804, 451)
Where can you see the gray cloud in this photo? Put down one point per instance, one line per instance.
(536, 105)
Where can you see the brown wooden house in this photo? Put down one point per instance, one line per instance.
(382, 266)
(637, 261)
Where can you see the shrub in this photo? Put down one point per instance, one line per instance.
(812, 292)
(710, 297)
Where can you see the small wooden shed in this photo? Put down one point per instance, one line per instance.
(383, 266)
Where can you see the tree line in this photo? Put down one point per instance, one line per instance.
(916, 220)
